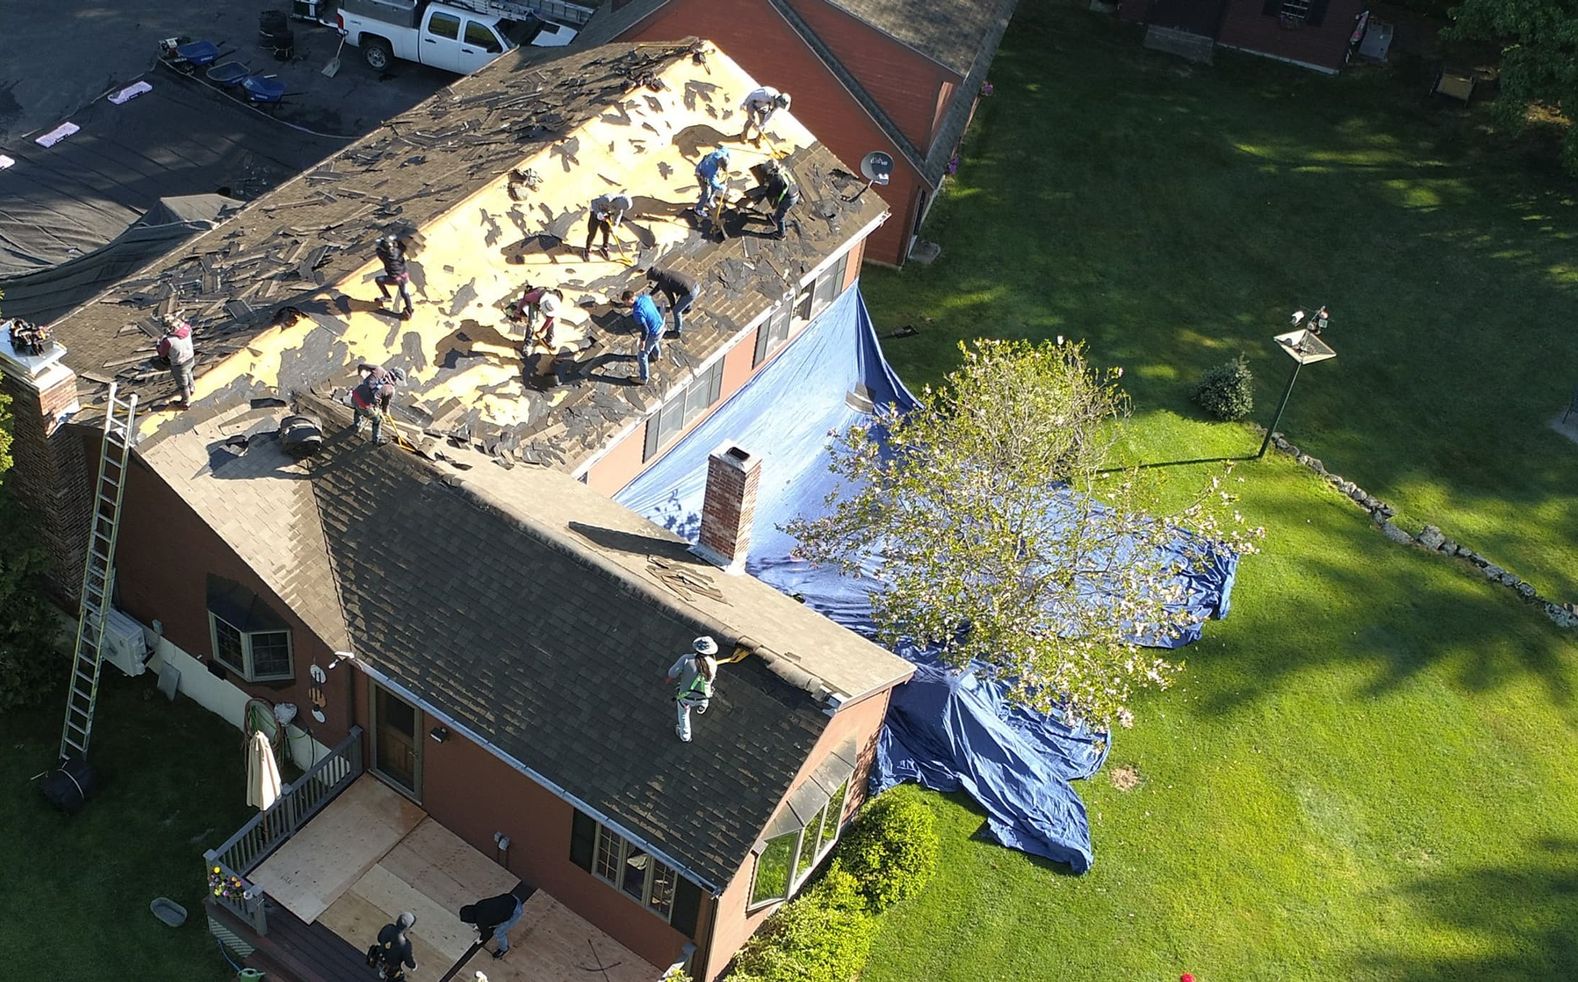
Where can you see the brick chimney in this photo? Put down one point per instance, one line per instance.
(733, 475)
(49, 472)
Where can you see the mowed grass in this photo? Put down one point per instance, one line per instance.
(74, 903)
(1366, 771)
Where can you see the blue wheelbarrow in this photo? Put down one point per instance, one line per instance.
(228, 74)
(263, 91)
(187, 56)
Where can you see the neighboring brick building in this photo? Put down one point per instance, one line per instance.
(510, 625)
(899, 76)
(1311, 33)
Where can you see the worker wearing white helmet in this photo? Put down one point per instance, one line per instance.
(759, 107)
(694, 672)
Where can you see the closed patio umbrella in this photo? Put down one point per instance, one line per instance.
(263, 781)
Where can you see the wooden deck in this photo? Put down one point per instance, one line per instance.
(372, 854)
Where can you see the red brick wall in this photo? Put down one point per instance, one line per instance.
(756, 37)
(861, 721)
(1245, 26)
(52, 473)
(904, 82)
(475, 794)
(162, 560)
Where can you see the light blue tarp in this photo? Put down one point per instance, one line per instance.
(946, 729)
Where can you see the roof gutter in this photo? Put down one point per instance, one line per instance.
(559, 792)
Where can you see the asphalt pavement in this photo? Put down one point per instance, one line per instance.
(58, 58)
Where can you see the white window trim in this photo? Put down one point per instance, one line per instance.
(246, 671)
(796, 881)
(623, 854)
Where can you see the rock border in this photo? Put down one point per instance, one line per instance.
(1431, 537)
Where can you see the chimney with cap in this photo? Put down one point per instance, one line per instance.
(733, 475)
(50, 471)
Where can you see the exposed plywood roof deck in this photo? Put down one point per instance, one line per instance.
(493, 176)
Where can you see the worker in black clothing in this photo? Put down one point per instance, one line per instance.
(395, 947)
(680, 289)
(779, 190)
(370, 398)
(391, 252)
(493, 918)
(604, 215)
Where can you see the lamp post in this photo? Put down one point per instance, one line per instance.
(1304, 346)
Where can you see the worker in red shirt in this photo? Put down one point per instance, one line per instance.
(176, 348)
(370, 398)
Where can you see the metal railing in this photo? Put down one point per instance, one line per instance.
(266, 831)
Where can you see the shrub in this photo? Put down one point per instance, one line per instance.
(891, 850)
(824, 935)
(1228, 390)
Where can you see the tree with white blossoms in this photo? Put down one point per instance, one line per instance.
(1002, 532)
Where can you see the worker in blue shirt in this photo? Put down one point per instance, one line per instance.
(649, 321)
(713, 175)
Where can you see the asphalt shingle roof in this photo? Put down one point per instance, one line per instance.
(950, 32)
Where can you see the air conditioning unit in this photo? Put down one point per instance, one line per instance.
(123, 644)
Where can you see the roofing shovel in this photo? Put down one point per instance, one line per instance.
(333, 67)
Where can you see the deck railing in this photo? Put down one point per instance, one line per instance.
(266, 831)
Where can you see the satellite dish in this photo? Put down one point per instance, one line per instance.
(877, 166)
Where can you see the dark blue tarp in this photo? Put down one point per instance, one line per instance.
(946, 729)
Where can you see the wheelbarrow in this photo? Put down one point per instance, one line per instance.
(188, 56)
(228, 74)
(264, 91)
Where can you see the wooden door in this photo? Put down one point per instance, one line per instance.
(397, 741)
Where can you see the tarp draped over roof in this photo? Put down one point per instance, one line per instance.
(947, 730)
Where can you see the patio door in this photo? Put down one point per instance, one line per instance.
(397, 741)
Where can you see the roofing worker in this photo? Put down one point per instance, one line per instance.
(780, 191)
(649, 321)
(694, 673)
(493, 918)
(391, 252)
(605, 214)
(371, 397)
(176, 348)
(680, 289)
(713, 175)
(759, 107)
(394, 948)
(544, 301)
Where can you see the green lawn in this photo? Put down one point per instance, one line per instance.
(1366, 771)
(76, 890)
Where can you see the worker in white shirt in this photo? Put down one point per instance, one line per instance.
(759, 107)
(694, 673)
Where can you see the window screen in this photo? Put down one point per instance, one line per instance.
(444, 26)
(773, 332)
(228, 647)
(270, 654)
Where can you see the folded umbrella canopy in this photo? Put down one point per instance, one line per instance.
(263, 783)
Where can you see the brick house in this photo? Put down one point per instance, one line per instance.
(1310, 33)
(899, 76)
(471, 634)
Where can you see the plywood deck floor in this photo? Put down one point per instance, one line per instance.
(554, 944)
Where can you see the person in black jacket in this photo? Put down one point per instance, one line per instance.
(391, 252)
(370, 398)
(493, 918)
(680, 289)
(394, 948)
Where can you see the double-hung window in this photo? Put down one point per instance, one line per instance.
(683, 408)
(630, 869)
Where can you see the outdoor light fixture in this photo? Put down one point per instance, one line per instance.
(439, 734)
(1304, 346)
(340, 656)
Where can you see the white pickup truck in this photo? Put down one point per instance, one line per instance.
(458, 37)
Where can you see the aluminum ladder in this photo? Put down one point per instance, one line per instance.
(98, 573)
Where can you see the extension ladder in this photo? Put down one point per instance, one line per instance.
(98, 574)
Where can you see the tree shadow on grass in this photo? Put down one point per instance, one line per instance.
(1524, 920)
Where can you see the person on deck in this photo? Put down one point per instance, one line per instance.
(694, 673)
(759, 107)
(370, 398)
(395, 947)
(680, 290)
(713, 175)
(605, 215)
(391, 252)
(649, 322)
(493, 918)
(176, 348)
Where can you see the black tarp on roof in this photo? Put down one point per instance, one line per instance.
(62, 202)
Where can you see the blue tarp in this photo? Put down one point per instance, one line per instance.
(946, 729)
